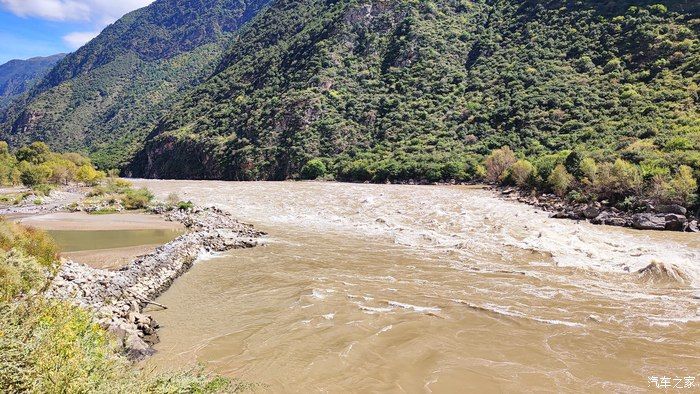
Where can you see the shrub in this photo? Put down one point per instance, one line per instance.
(618, 179)
(31, 242)
(498, 162)
(88, 175)
(560, 180)
(36, 153)
(313, 169)
(453, 170)
(682, 187)
(185, 205)
(136, 199)
(588, 169)
(32, 175)
(19, 274)
(522, 173)
(573, 164)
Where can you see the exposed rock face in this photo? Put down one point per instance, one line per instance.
(118, 297)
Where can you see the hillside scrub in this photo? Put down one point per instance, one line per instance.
(425, 91)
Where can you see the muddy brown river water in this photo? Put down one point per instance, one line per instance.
(367, 288)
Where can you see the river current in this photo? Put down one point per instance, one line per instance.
(365, 288)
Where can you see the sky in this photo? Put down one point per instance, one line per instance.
(30, 28)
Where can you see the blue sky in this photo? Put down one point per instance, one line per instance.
(30, 28)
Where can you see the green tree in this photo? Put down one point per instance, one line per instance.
(314, 169)
(523, 173)
(560, 180)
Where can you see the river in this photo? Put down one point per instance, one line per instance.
(365, 288)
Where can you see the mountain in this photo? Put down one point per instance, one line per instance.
(104, 98)
(18, 76)
(391, 90)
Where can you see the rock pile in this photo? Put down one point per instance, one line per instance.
(118, 297)
(663, 217)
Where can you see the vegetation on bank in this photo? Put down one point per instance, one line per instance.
(51, 346)
(37, 167)
(114, 195)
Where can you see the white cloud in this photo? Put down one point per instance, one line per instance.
(57, 10)
(64, 10)
(79, 38)
(95, 13)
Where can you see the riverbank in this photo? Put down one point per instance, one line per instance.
(660, 217)
(118, 297)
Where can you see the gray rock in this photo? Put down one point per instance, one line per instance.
(649, 221)
(692, 227)
(672, 208)
(118, 297)
(591, 212)
(675, 222)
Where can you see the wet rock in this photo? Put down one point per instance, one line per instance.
(591, 212)
(692, 227)
(649, 221)
(559, 215)
(675, 222)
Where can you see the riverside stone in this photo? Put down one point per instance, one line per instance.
(649, 221)
(675, 222)
(118, 297)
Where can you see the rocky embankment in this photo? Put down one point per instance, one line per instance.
(118, 297)
(661, 217)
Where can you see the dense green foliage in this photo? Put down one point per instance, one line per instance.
(38, 167)
(103, 99)
(19, 76)
(425, 90)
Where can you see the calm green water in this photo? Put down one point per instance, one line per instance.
(75, 241)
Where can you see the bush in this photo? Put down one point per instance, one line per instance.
(619, 179)
(560, 180)
(589, 170)
(136, 199)
(314, 169)
(682, 188)
(88, 175)
(19, 274)
(522, 173)
(32, 174)
(36, 153)
(31, 242)
(185, 205)
(498, 162)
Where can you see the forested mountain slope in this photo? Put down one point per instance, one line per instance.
(18, 76)
(104, 98)
(392, 90)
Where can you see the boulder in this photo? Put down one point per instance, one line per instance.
(692, 227)
(591, 212)
(672, 208)
(649, 221)
(675, 222)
